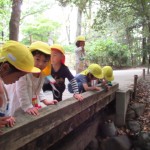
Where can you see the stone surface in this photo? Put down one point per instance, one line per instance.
(139, 108)
(122, 100)
(134, 126)
(93, 145)
(116, 143)
(143, 141)
(130, 115)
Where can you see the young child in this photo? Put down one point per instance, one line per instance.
(86, 77)
(80, 54)
(28, 90)
(13, 65)
(108, 77)
(59, 73)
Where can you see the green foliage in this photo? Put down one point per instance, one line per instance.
(5, 6)
(107, 52)
(69, 48)
(40, 29)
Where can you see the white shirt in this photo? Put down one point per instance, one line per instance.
(79, 54)
(20, 94)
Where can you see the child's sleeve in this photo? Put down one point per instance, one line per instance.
(72, 81)
(74, 85)
(41, 95)
(78, 49)
(23, 93)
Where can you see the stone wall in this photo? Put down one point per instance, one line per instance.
(55, 122)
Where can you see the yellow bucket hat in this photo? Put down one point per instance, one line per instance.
(19, 56)
(108, 73)
(80, 38)
(60, 49)
(45, 48)
(41, 46)
(96, 71)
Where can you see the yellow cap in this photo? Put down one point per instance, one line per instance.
(108, 73)
(60, 49)
(41, 46)
(19, 56)
(96, 71)
(80, 38)
(45, 48)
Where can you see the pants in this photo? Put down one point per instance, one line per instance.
(56, 95)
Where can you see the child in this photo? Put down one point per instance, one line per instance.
(13, 65)
(80, 54)
(28, 90)
(86, 77)
(59, 73)
(108, 77)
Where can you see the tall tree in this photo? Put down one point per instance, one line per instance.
(15, 20)
(81, 5)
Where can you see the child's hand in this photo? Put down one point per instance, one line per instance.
(3, 121)
(50, 102)
(11, 122)
(97, 88)
(78, 97)
(32, 111)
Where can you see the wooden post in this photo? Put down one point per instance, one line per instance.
(144, 74)
(135, 86)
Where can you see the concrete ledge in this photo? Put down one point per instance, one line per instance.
(122, 100)
(54, 122)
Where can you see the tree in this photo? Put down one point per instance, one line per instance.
(131, 16)
(15, 20)
(39, 29)
(81, 5)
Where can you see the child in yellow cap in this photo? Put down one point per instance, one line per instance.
(85, 79)
(80, 54)
(59, 72)
(108, 77)
(15, 61)
(28, 90)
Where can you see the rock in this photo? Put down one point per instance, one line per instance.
(116, 143)
(138, 108)
(143, 141)
(130, 114)
(108, 130)
(93, 145)
(134, 126)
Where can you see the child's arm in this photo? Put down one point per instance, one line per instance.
(75, 89)
(25, 96)
(44, 100)
(88, 88)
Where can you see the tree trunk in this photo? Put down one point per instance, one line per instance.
(79, 21)
(15, 20)
(129, 43)
(144, 51)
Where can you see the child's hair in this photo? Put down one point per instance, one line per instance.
(37, 52)
(12, 69)
(90, 75)
(78, 43)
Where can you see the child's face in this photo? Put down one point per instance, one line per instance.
(9, 78)
(82, 43)
(56, 57)
(40, 61)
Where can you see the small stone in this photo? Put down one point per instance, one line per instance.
(134, 126)
(138, 108)
(116, 143)
(130, 115)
